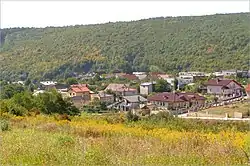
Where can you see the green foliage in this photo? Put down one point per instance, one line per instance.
(71, 81)
(95, 106)
(162, 86)
(131, 117)
(48, 103)
(4, 125)
(160, 116)
(171, 44)
(9, 90)
(52, 102)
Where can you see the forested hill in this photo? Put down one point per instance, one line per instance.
(169, 44)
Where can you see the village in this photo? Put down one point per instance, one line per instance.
(148, 93)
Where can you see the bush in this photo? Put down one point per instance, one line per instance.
(161, 116)
(4, 125)
(132, 117)
(17, 110)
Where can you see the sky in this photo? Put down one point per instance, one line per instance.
(62, 13)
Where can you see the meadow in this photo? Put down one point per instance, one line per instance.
(112, 140)
(243, 108)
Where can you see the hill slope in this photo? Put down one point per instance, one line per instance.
(170, 44)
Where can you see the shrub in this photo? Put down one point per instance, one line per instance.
(4, 125)
(17, 110)
(163, 115)
(132, 117)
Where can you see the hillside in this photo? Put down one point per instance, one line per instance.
(169, 44)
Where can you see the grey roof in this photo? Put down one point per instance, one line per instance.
(135, 98)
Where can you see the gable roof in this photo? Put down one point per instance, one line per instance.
(79, 88)
(130, 76)
(135, 99)
(175, 97)
(221, 82)
(119, 88)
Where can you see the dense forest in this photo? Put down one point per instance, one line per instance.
(170, 44)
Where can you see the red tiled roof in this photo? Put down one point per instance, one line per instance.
(78, 88)
(175, 97)
(221, 82)
(130, 76)
(248, 88)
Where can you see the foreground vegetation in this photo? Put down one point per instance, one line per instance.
(114, 140)
(203, 43)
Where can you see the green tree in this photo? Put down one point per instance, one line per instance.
(27, 82)
(52, 102)
(162, 86)
(10, 90)
(71, 81)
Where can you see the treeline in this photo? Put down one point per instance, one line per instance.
(172, 44)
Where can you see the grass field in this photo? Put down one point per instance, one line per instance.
(43, 140)
(230, 109)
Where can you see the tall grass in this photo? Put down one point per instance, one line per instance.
(42, 140)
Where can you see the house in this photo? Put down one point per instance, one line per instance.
(248, 90)
(46, 85)
(132, 102)
(146, 88)
(18, 82)
(194, 75)
(227, 73)
(242, 73)
(184, 80)
(81, 90)
(218, 75)
(77, 101)
(163, 76)
(155, 75)
(121, 89)
(37, 92)
(140, 75)
(62, 87)
(224, 88)
(175, 101)
(103, 97)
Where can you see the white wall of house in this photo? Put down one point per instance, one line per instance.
(184, 80)
(214, 90)
(146, 89)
